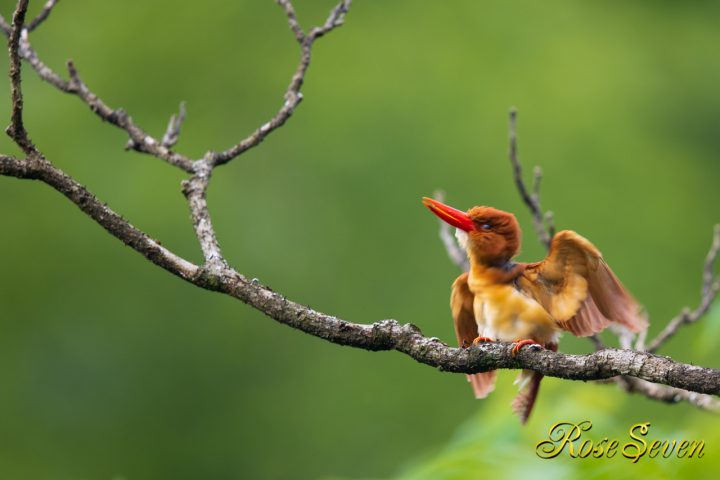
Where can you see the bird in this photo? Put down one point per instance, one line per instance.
(531, 304)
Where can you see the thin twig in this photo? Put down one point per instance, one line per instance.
(545, 230)
(44, 72)
(532, 201)
(16, 130)
(42, 16)
(140, 140)
(195, 191)
(597, 341)
(143, 142)
(334, 20)
(549, 220)
(293, 95)
(173, 129)
(664, 393)
(709, 291)
(28, 53)
(292, 20)
(709, 268)
(640, 340)
(537, 179)
(4, 26)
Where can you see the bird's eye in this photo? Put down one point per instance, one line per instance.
(486, 226)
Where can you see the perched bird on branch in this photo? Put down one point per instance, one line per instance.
(530, 304)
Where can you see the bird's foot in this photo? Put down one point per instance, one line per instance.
(521, 343)
(481, 339)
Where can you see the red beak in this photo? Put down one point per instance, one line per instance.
(446, 213)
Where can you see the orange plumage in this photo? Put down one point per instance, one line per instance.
(573, 289)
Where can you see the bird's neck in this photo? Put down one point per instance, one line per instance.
(498, 271)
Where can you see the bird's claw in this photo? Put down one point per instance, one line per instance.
(481, 339)
(521, 343)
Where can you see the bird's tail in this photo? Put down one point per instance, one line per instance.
(529, 384)
(482, 383)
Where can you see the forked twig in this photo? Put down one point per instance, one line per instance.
(542, 222)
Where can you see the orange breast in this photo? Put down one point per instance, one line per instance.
(505, 313)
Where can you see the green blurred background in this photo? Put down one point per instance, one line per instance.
(111, 368)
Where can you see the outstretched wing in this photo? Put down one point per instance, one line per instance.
(466, 329)
(576, 286)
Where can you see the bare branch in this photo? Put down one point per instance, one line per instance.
(44, 72)
(654, 391)
(549, 219)
(195, 190)
(666, 394)
(537, 179)
(292, 20)
(43, 15)
(542, 222)
(29, 54)
(390, 335)
(140, 140)
(545, 230)
(173, 129)
(39, 169)
(4, 26)
(640, 340)
(383, 335)
(457, 255)
(544, 233)
(334, 20)
(143, 142)
(657, 392)
(293, 96)
(661, 393)
(597, 341)
(710, 289)
(16, 130)
(709, 268)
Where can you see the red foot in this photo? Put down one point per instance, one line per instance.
(521, 343)
(481, 339)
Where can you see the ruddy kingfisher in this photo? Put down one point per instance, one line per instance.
(573, 289)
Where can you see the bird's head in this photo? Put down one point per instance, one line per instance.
(490, 235)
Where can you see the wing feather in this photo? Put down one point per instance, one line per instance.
(577, 287)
